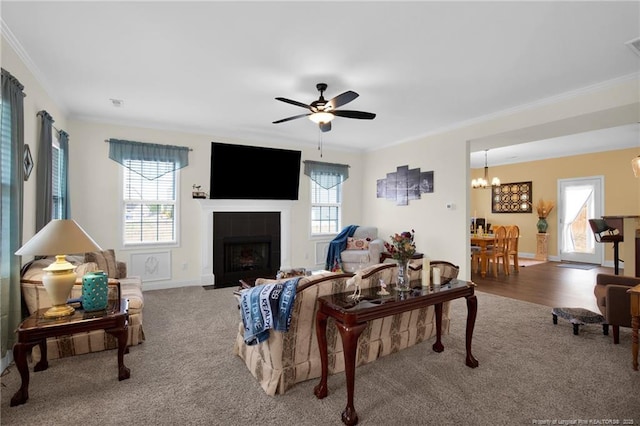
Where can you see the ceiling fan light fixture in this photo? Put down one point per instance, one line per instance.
(321, 117)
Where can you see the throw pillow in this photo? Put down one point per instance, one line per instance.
(357, 244)
(106, 261)
(85, 268)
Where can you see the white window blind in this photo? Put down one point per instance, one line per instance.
(149, 205)
(57, 199)
(325, 209)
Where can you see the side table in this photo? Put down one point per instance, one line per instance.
(36, 329)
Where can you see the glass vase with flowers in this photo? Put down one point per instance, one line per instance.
(402, 248)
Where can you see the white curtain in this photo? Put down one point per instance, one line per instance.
(575, 199)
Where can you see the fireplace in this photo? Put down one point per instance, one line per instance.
(245, 245)
(210, 226)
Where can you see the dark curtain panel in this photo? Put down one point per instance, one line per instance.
(63, 139)
(11, 201)
(44, 188)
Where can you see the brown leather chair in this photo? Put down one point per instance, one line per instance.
(613, 300)
(604, 233)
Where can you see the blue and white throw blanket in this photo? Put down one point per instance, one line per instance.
(266, 307)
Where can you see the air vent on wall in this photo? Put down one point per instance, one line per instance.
(634, 45)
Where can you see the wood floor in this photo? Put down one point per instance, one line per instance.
(545, 284)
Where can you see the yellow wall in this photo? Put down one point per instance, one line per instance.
(621, 192)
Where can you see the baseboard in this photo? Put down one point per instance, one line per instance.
(168, 284)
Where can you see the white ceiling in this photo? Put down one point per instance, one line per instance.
(215, 67)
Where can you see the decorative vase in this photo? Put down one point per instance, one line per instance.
(402, 281)
(95, 289)
(542, 225)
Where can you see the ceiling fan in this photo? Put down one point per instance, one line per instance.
(323, 111)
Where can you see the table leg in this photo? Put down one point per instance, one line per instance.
(43, 364)
(121, 334)
(20, 358)
(321, 390)
(472, 310)
(438, 346)
(635, 322)
(349, 335)
(483, 261)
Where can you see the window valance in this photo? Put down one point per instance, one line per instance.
(327, 175)
(124, 152)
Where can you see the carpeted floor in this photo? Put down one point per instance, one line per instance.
(185, 373)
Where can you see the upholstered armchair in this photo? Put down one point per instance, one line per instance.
(614, 301)
(363, 249)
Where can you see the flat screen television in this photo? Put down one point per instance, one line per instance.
(241, 172)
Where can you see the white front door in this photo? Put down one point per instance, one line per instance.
(579, 200)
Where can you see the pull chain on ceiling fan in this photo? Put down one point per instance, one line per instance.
(323, 112)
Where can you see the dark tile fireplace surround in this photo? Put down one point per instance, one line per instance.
(245, 245)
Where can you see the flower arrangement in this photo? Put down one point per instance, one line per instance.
(544, 208)
(402, 246)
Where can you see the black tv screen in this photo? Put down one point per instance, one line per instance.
(241, 172)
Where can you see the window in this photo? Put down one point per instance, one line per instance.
(325, 209)
(149, 205)
(57, 184)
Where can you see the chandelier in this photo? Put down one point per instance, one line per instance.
(484, 182)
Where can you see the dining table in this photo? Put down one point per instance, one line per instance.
(483, 241)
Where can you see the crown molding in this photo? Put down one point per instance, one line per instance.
(11, 39)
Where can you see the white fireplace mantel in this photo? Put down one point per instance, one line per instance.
(206, 224)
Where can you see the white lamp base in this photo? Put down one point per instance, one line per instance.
(58, 281)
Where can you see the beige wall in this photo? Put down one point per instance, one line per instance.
(621, 191)
(441, 233)
(95, 191)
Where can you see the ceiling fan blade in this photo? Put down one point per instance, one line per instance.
(341, 99)
(292, 102)
(325, 127)
(291, 118)
(354, 114)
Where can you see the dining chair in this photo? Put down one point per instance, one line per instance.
(513, 235)
(498, 251)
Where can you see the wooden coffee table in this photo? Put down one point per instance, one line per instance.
(36, 329)
(351, 318)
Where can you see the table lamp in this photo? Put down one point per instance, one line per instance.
(59, 236)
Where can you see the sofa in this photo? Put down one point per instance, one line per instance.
(363, 249)
(35, 297)
(290, 357)
(613, 300)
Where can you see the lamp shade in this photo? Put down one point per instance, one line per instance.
(59, 236)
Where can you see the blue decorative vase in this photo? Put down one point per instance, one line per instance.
(542, 225)
(94, 291)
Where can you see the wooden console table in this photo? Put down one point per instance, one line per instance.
(351, 317)
(36, 329)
